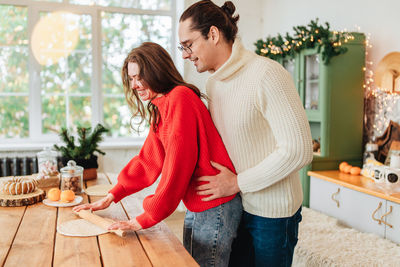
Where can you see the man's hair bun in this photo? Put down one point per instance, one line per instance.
(229, 8)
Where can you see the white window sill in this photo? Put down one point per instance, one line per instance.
(36, 146)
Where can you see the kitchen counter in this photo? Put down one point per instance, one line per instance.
(356, 202)
(356, 182)
(28, 237)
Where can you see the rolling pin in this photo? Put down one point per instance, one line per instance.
(99, 221)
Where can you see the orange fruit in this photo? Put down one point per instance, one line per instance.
(54, 194)
(67, 195)
(355, 171)
(342, 165)
(347, 168)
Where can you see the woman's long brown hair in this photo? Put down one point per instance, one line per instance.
(158, 72)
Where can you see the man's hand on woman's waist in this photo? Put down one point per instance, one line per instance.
(221, 185)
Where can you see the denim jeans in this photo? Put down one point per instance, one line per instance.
(208, 235)
(265, 241)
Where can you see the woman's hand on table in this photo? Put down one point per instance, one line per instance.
(97, 205)
(126, 225)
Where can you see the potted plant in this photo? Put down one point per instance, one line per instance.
(83, 153)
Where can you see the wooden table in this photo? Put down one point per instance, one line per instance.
(28, 237)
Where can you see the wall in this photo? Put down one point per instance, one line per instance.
(379, 18)
(116, 158)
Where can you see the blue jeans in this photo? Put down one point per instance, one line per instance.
(265, 241)
(208, 235)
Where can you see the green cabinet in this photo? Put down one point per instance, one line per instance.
(333, 99)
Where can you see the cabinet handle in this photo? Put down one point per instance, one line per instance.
(333, 197)
(373, 214)
(390, 211)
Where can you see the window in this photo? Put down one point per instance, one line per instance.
(14, 74)
(60, 62)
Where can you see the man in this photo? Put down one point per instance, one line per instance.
(259, 115)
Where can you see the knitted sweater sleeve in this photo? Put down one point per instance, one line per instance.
(142, 171)
(280, 105)
(180, 161)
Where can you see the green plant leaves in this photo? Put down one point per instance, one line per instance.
(88, 142)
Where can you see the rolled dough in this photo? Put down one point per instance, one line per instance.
(81, 228)
(98, 190)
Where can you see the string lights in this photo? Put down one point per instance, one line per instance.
(328, 42)
(386, 109)
(381, 105)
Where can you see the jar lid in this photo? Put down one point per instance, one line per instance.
(72, 167)
(47, 152)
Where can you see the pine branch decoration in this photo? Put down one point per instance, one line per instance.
(327, 42)
(88, 142)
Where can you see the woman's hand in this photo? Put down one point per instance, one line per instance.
(98, 205)
(125, 225)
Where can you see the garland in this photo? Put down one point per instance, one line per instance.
(310, 36)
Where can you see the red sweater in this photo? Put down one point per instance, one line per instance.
(181, 150)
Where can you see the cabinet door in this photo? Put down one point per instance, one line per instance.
(392, 220)
(362, 211)
(311, 82)
(326, 197)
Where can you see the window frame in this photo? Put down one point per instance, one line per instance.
(36, 138)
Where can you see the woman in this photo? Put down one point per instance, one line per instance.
(181, 145)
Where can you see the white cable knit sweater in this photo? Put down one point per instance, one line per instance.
(258, 113)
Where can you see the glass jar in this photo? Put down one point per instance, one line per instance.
(47, 163)
(72, 177)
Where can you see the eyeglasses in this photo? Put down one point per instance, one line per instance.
(188, 49)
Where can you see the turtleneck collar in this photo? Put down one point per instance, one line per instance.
(160, 99)
(239, 57)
